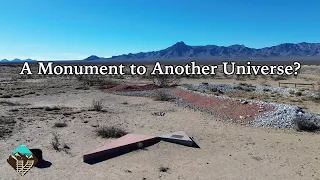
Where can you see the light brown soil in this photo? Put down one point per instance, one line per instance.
(228, 150)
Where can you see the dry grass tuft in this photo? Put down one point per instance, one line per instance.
(55, 143)
(162, 95)
(97, 105)
(110, 132)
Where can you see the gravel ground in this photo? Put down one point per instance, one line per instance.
(228, 88)
(235, 110)
(281, 115)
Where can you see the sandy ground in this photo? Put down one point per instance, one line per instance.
(228, 151)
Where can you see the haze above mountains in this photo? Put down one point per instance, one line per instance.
(180, 50)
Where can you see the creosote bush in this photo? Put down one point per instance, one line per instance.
(60, 125)
(97, 105)
(164, 169)
(307, 122)
(298, 93)
(102, 83)
(162, 95)
(165, 80)
(110, 132)
(6, 96)
(316, 98)
(266, 90)
(291, 91)
(213, 89)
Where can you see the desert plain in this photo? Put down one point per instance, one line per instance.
(61, 115)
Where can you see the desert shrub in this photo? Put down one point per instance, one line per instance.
(6, 121)
(243, 84)
(237, 87)
(107, 83)
(7, 125)
(162, 95)
(307, 122)
(316, 97)
(291, 91)
(97, 105)
(55, 143)
(102, 83)
(298, 93)
(164, 169)
(213, 89)
(248, 89)
(65, 146)
(110, 132)
(165, 80)
(60, 125)
(266, 90)
(30, 92)
(14, 110)
(6, 96)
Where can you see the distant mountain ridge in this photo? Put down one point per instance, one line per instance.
(18, 60)
(92, 57)
(182, 51)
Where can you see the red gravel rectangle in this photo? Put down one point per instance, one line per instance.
(232, 109)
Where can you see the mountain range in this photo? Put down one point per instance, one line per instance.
(180, 50)
(17, 60)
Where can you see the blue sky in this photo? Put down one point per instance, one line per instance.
(75, 29)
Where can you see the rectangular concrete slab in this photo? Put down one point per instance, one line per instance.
(125, 144)
(179, 137)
